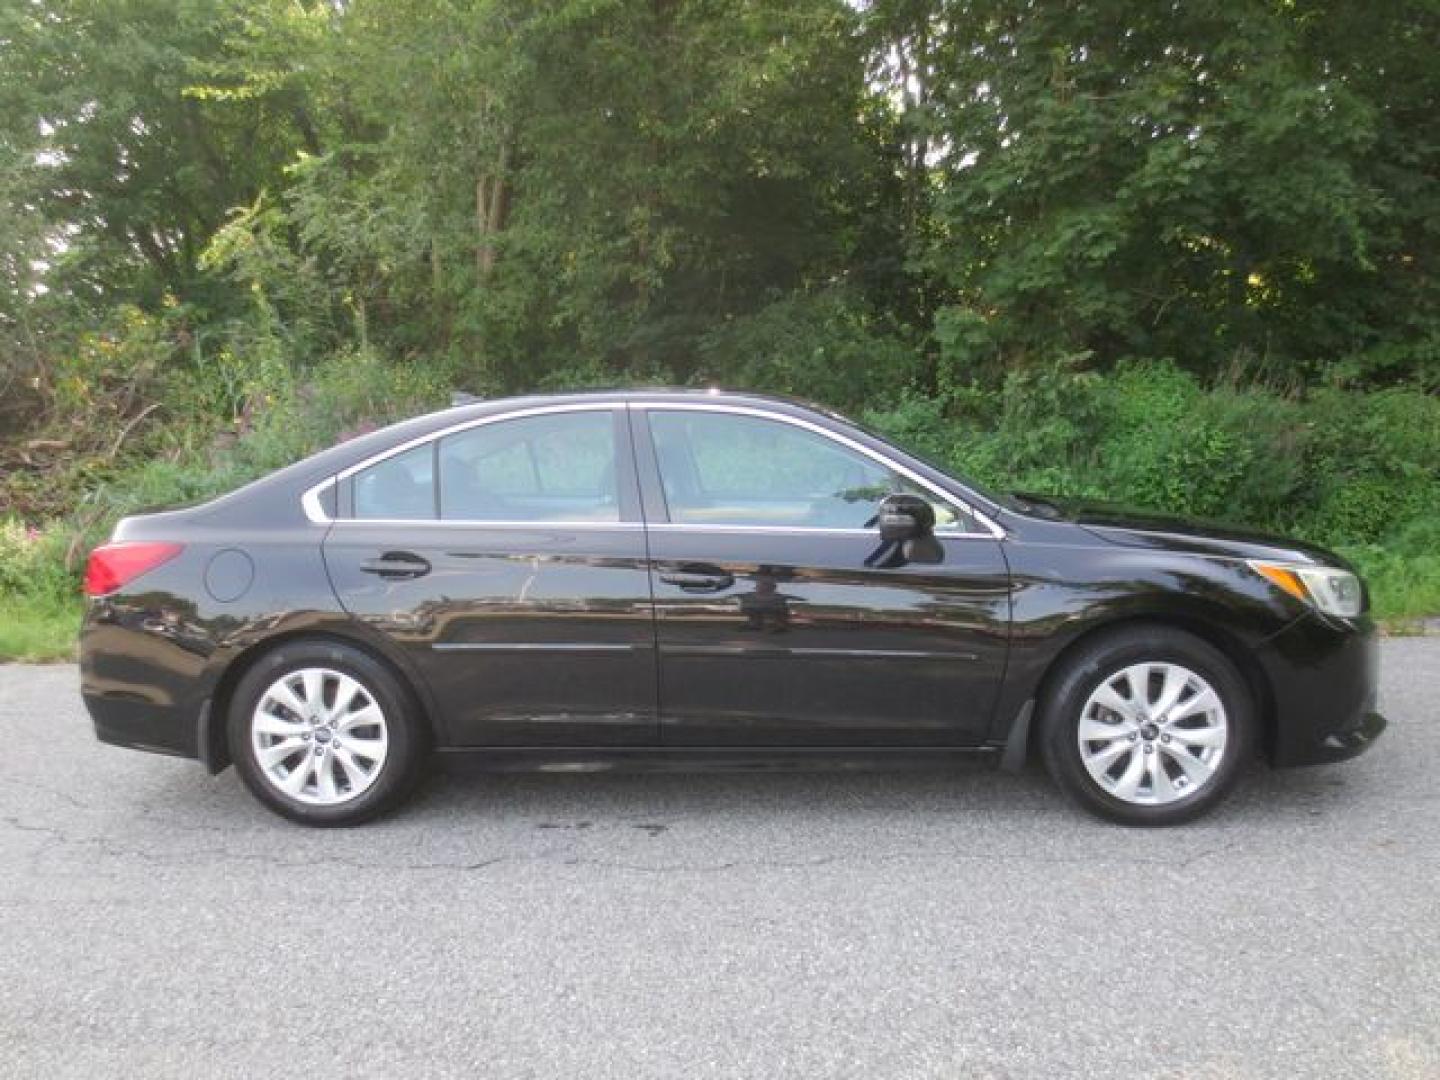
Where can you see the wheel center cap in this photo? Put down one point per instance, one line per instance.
(323, 735)
(1149, 731)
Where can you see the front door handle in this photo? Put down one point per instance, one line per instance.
(397, 566)
(698, 578)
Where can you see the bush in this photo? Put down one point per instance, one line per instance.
(281, 419)
(32, 562)
(1359, 471)
(820, 347)
(1404, 573)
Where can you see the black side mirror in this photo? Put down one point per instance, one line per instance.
(905, 517)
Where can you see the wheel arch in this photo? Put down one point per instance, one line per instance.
(1217, 636)
(214, 747)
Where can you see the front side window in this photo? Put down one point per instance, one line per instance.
(731, 469)
(551, 467)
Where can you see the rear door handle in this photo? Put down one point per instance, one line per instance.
(697, 579)
(397, 566)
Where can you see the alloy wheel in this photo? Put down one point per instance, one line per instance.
(1153, 733)
(319, 736)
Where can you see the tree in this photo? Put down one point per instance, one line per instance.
(135, 172)
(1190, 180)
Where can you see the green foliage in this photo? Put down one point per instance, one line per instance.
(1173, 447)
(32, 562)
(1403, 574)
(1341, 467)
(821, 347)
(38, 630)
(1126, 178)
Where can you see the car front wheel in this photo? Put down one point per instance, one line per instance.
(1147, 726)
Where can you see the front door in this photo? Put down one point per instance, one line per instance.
(781, 620)
(508, 559)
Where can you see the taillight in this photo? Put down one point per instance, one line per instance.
(113, 566)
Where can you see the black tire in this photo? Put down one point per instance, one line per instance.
(1070, 688)
(407, 735)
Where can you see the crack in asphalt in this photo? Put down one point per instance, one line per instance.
(112, 848)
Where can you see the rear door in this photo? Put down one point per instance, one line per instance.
(507, 557)
(781, 620)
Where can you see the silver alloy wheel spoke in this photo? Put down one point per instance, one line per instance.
(284, 748)
(1102, 731)
(282, 693)
(1176, 680)
(354, 773)
(294, 781)
(319, 736)
(345, 691)
(1195, 770)
(1121, 706)
(1110, 754)
(364, 749)
(360, 718)
(1128, 786)
(325, 773)
(1160, 782)
(1204, 736)
(272, 724)
(1153, 733)
(1199, 703)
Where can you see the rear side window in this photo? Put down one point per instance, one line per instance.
(400, 488)
(552, 467)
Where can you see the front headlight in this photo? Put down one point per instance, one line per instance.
(1329, 589)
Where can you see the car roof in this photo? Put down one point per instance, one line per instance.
(640, 394)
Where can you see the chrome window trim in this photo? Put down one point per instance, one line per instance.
(535, 646)
(315, 510)
(310, 500)
(948, 531)
(512, 526)
(995, 532)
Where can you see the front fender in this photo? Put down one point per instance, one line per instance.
(1062, 595)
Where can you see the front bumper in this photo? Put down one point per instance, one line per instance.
(1343, 745)
(1323, 675)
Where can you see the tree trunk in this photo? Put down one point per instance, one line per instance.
(492, 202)
(484, 254)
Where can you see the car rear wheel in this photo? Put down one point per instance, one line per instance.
(1148, 726)
(324, 734)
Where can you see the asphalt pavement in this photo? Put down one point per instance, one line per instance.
(155, 921)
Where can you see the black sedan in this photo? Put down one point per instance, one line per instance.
(662, 576)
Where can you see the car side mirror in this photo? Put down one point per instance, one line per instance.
(905, 517)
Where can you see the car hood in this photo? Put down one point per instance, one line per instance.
(1146, 528)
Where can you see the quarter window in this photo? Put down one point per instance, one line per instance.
(730, 469)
